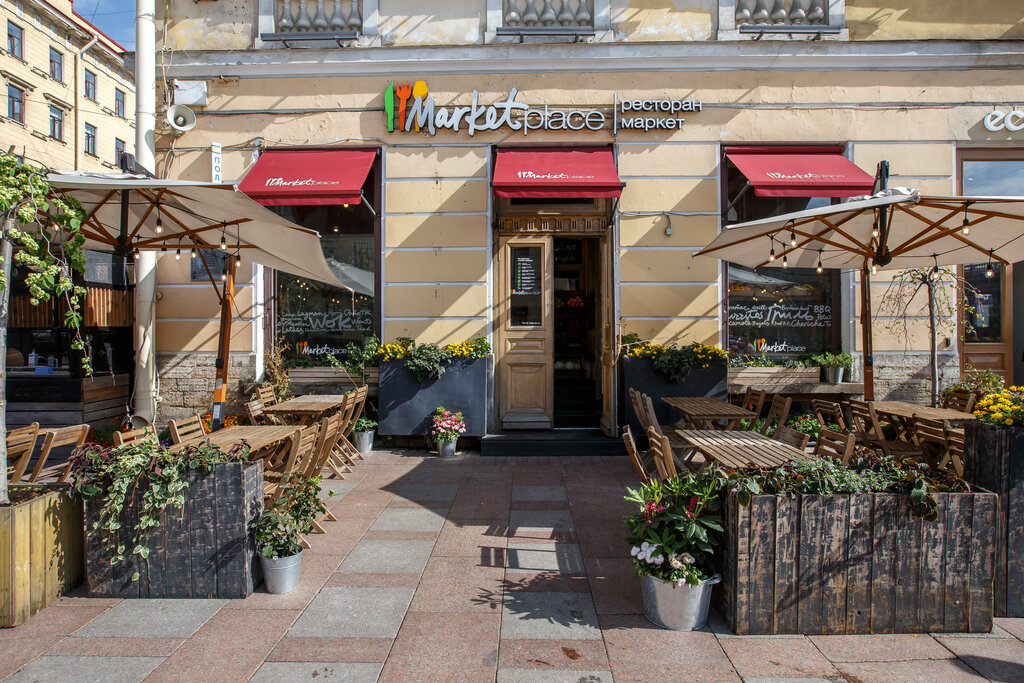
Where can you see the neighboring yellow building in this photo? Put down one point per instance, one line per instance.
(69, 99)
(665, 95)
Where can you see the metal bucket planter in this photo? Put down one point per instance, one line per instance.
(364, 441)
(833, 375)
(281, 574)
(446, 449)
(679, 608)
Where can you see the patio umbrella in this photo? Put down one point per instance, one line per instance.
(127, 213)
(894, 229)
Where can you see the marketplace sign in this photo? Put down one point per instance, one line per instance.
(413, 108)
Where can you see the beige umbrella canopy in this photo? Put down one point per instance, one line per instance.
(895, 229)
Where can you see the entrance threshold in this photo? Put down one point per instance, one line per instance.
(551, 442)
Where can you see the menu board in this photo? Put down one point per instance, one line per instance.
(526, 304)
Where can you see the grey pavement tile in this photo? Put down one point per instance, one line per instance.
(549, 615)
(998, 659)
(770, 679)
(427, 492)
(1015, 627)
(919, 671)
(552, 676)
(387, 557)
(881, 647)
(152, 619)
(354, 613)
(539, 520)
(539, 493)
(996, 632)
(338, 487)
(330, 672)
(51, 669)
(410, 519)
(565, 558)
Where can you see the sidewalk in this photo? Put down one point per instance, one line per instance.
(477, 569)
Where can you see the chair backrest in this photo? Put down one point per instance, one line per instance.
(792, 437)
(961, 399)
(639, 409)
(358, 401)
(828, 412)
(254, 411)
(309, 437)
(267, 395)
(330, 432)
(835, 445)
(188, 428)
(55, 438)
(652, 417)
(282, 463)
(753, 401)
(929, 430)
(864, 421)
(779, 411)
(661, 450)
(955, 445)
(21, 442)
(634, 454)
(147, 432)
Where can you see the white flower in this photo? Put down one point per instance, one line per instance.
(635, 551)
(680, 583)
(658, 560)
(674, 562)
(687, 558)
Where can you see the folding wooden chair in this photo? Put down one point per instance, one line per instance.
(277, 466)
(254, 411)
(661, 452)
(634, 455)
(267, 395)
(792, 437)
(343, 453)
(864, 424)
(829, 412)
(55, 438)
(954, 452)
(835, 445)
(360, 394)
(21, 443)
(961, 399)
(931, 435)
(779, 410)
(328, 436)
(188, 428)
(147, 432)
(753, 401)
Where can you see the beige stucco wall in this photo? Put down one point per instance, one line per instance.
(935, 20)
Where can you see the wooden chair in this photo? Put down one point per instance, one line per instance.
(753, 401)
(961, 399)
(55, 438)
(634, 455)
(343, 453)
(792, 437)
(864, 424)
(328, 436)
(931, 435)
(829, 412)
(954, 451)
(188, 428)
(835, 445)
(254, 411)
(21, 443)
(359, 403)
(147, 432)
(661, 452)
(779, 411)
(267, 395)
(278, 466)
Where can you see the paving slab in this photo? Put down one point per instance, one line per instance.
(51, 669)
(998, 659)
(888, 647)
(297, 649)
(335, 489)
(330, 672)
(564, 558)
(451, 584)
(561, 654)
(354, 613)
(1014, 627)
(916, 671)
(538, 493)
(525, 522)
(410, 519)
(466, 539)
(640, 651)
(444, 647)
(614, 585)
(387, 557)
(796, 658)
(427, 492)
(549, 615)
(552, 676)
(152, 619)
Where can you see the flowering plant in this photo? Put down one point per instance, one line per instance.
(447, 425)
(1004, 408)
(672, 361)
(473, 348)
(675, 531)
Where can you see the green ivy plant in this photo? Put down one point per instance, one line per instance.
(276, 534)
(364, 424)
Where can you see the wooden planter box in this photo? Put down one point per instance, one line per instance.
(639, 374)
(406, 406)
(328, 381)
(773, 376)
(40, 552)
(863, 563)
(995, 461)
(203, 550)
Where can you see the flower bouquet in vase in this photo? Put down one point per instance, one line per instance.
(447, 426)
(674, 534)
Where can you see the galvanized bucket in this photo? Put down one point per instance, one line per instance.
(281, 574)
(833, 375)
(679, 608)
(364, 441)
(446, 449)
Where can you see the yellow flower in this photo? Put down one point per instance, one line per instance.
(1009, 421)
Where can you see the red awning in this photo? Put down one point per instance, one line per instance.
(308, 176)
(554, 173)
(800, 171)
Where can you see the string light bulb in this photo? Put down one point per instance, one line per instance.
(223, 237)
(874, 269)
(819, 268)
(177, 254)
(159, 220)
(223, 277)
(989, 269)
(771, 254)
(194, 252)
(792, 239)
(874, 230)
(966, 228)
(785, 261)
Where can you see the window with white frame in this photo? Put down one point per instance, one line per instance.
(56, 65)
(90, 85)
(118, 151)
(56, 123)
(90, 139)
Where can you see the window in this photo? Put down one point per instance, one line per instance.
(118, 151)
(90, 85)
(15, 40)
(15, 103)
(56, 65)
(90, 139)
(56, 123)
(119, 102)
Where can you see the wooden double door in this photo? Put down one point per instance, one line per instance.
(524, 306)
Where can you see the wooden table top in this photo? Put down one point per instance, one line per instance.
(908, 410)
(259, 437)
(310, 404)
(737, 449)
(706, 408)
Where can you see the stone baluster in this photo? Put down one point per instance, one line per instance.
(797, 13)
(286, 22)
(760, 15)
(547, 15)
(816, 14)
(742, 12)
(337, 19)
(355, 20)
(778, 14)
(583, 15)
(512, 16)
(565, 15)
(530, 15)
(320, 19)
(302, 23)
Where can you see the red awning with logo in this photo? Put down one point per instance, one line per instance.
(800, 171)
(308, 176)
(578, 172)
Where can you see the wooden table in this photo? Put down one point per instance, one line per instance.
(737, 449)
(906, 411)
(701, 412)
(308, 408)
(264, 441)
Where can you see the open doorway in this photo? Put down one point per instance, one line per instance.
(577, 332)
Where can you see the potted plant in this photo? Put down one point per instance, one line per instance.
(832, 365)
(446, 430)
(674, 535)
(363, 431)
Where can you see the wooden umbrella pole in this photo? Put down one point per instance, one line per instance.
(865, 324)
(220, 388)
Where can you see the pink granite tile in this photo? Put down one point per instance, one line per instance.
(640, 651)
(448, 646)
(913, 671)
(539, 505)
(116, 647)
(53, 622)
(585, 655)
(614, 585)
(778, 658)
(601, 540)
(331, 650)
(399, 536)
(373, 580)
(468, 538)
(17, 652)
(555, 582)
(998, 659)
(453, 584)
(887, 647)
(1014, 627)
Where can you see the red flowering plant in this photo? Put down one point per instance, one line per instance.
(447, 426)
(675, 531)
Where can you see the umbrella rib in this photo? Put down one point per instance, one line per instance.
(954, 233)
(929, 225)
(984, 212)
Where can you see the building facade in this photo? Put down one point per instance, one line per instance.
(541, 173)
(70, 99)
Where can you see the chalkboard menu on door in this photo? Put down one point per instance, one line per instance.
(526, 291)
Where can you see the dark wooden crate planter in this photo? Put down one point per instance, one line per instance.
(994, 460)
(863, 563)
(203, 550)
(40, 552)
(639, 374)
(406, 405)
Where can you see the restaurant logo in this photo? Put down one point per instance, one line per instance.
(531, 175)
(306, 349)
(299, 182)
(996, 121)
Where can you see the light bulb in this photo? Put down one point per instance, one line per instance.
(223, 244)
(238, 259)
(989, 272)
(177, 254)
(345, 205)
(967, 226)
(874, 269)
(771, 254)
(819, 268)
(159, 225)
(223, 277)
(792, 239)
(193, 252)
(785, 261)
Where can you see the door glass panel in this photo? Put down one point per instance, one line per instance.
(983, 312)
(527, 297)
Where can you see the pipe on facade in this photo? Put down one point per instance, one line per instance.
(79, 64)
